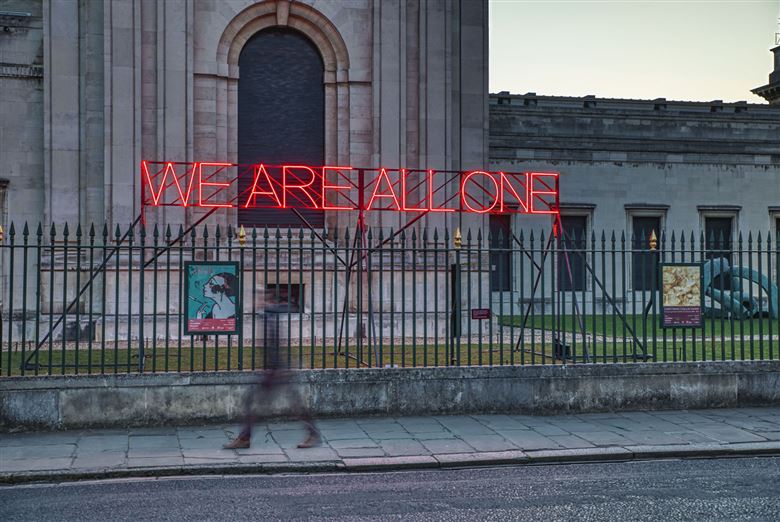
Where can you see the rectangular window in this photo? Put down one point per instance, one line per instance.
(291, 294)
(644, 267)
(718, 236)
(777, 231)
(571, 257)
(500, 253)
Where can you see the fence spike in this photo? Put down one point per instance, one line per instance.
(758, 240)
(750, 239)
(289, 233)
(446, 236)
(520, 237)
(381, 235)
(435, 234)
(156, 232)
(370, 235)
(300, 234)
(25, 231)
(254, 233)
(92, 230)
(266, 235)
(39, 232)
(346, 235)
(65, 231)
(206, 232)
(414, 236)
(230, 234)
(168, 233)
(218, 233)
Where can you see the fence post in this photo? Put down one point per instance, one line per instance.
(455, 330)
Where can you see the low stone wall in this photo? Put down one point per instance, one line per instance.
(164, 399)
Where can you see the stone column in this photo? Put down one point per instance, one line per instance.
(61, 112)
(122, 110)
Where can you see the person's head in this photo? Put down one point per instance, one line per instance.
(221, 285)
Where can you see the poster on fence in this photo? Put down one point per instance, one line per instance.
(212, 296)
(681, 295)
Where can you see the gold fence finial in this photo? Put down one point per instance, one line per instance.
(242, 236)
(653, 240)
(2, 233)
(458, 239)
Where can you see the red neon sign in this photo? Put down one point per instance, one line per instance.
(229, 185)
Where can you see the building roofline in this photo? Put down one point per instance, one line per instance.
(592, 98)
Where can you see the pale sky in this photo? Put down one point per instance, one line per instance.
(678, 50)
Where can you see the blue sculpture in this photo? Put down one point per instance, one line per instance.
(735, 299)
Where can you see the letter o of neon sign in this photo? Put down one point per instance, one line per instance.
(464, 193)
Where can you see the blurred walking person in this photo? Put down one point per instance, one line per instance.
(273, 379)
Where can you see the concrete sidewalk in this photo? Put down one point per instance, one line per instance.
(387, 443)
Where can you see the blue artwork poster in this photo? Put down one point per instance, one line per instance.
(212, 297)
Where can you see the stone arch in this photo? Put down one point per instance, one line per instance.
(326, 38)
(302, 17)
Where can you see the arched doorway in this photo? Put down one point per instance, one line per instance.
(281, 113)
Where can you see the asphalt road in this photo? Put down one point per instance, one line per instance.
(723, 489)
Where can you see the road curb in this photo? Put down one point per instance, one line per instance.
(443, 461)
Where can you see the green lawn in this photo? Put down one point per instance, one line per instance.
(211, 358)
(679, 346)
(613, 325)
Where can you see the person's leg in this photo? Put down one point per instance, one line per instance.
(302, 412)
(250, 398)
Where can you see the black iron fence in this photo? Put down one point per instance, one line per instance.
(101, 300)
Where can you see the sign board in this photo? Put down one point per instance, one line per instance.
(230, 185)
(681, 295)
(480, 313)
(212, 297)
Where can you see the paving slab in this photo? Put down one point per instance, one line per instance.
(403, 447)
(360, 452)
(571, 442)
(447, 446)
(387, 443)
(527, 439)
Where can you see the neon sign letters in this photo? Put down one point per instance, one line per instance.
(338, 188)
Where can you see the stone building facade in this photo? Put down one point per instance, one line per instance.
(90, 88)
(681, 162)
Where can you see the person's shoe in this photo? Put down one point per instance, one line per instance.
(311, 441)
(237, 444)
